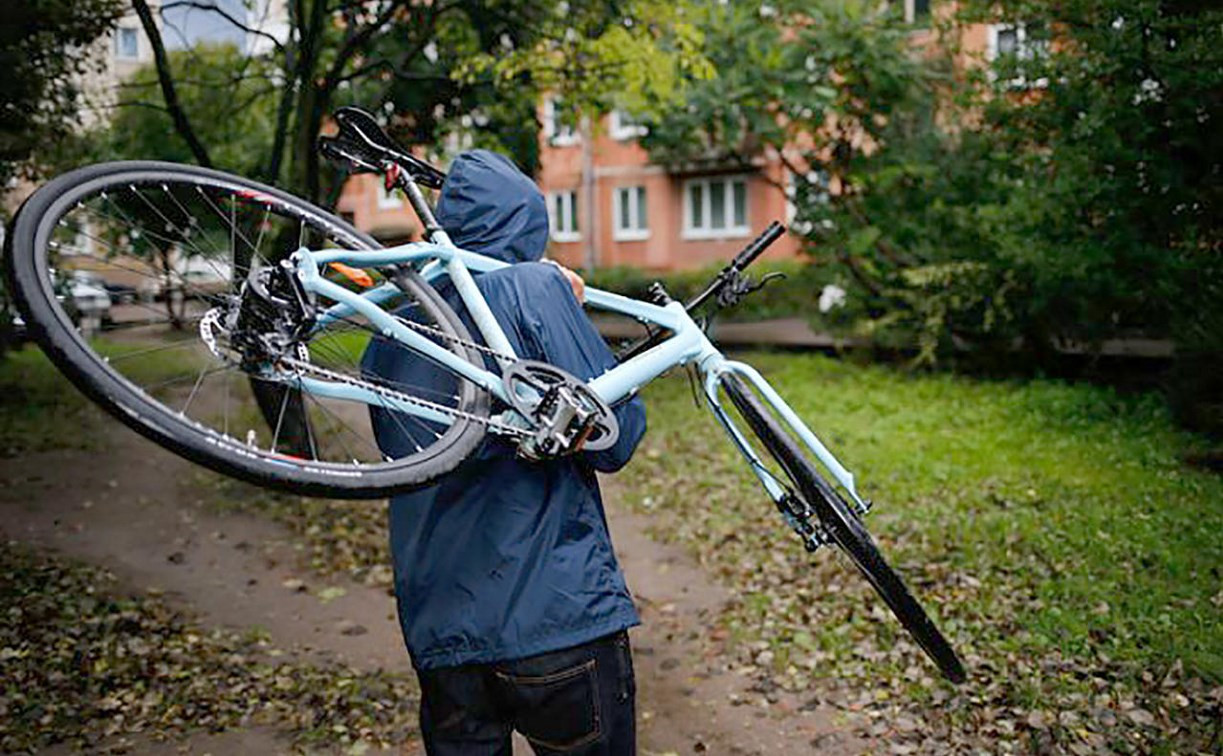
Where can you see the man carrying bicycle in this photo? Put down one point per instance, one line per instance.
(511, 601)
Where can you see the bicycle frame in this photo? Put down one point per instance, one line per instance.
(687, 345)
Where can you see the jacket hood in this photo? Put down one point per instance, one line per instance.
(489, 206)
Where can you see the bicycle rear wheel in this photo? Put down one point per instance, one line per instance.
(115, 267)
(842, 525)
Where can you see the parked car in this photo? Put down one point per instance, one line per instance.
(91, 299)
(120, 293)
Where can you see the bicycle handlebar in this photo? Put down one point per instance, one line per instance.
(745, 258)
(731, 272)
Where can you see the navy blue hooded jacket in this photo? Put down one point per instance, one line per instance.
(504, 558)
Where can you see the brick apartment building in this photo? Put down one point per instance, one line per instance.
(610, 206)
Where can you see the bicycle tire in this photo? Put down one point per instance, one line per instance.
(27, 266)
(844, 527)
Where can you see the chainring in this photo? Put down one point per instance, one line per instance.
(530, 384)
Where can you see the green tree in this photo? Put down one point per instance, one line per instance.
(433, 68)
(38, 44)
(1095, 157)
(233, 114)
(813, 81)
(822, 85)
(1070, 189)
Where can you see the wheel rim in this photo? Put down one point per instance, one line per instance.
(130, 264)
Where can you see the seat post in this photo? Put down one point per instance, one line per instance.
(419, 204)
(486, 323)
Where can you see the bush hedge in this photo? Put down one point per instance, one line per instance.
(795, 296)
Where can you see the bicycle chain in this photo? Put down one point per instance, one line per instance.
(331, 375)
(504, 359)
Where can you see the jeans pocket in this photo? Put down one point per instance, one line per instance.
(559, 711)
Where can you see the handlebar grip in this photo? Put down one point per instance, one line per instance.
(758, 245)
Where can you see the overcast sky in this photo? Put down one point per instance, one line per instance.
(185, 26)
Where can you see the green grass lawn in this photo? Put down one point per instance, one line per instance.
(40, 410)
(1052, 529)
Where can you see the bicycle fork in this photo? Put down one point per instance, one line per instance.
(797, 513)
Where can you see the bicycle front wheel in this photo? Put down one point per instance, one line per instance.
(116, 266)
(842, 525)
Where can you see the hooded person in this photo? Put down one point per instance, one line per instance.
(512, 604)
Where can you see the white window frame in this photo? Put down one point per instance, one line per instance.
(622, 129)
(911, 11)
(563, 216)
(119, 51)
(638, 199)
(557, 133)
(1023, 51)
(729, 231)
(387, 200)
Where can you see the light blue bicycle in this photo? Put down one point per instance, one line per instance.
(239, 315)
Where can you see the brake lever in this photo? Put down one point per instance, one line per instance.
(740, 285)
(776, 275)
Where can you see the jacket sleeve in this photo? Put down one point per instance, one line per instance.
(563, 336)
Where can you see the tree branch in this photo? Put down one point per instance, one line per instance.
(285, 109)
(181, 124)
(139, 104)
(357, 41)
(199, 5)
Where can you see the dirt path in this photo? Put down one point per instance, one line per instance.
(127, 509)
(688, 700)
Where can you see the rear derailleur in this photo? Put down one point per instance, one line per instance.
(564, 414)
(268, 320)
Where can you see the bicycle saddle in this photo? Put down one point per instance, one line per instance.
(363, 147)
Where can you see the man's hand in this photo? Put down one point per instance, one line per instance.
(575, 281)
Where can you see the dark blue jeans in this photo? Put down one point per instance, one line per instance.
(575, 701)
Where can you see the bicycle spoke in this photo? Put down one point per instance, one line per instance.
(339, 437)
(185, 236)
(150, 252)
(238, 233)
(113, 359)
(194, 390)
(280, 418)
(171, 381)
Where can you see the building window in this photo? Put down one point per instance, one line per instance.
(563, 214)
(917, 11)
(127, 43)
(1018, 43)
(557, 130)
(625, 127)
(629, 209)
(387, 200)
(715, 207)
